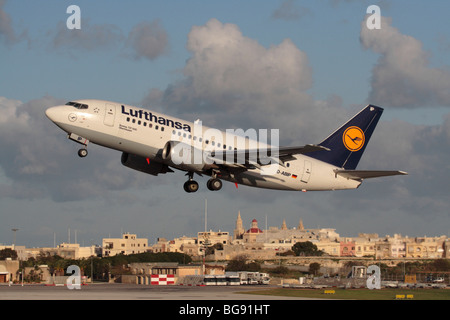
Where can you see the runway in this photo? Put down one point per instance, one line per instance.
(173, 302)
(132, 292)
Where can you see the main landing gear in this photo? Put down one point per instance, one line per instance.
(213, 184)
(191, 185)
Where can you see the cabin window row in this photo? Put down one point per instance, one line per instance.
(144, 123)
(179, 133)
(200, 139)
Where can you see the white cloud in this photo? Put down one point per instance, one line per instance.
(233, 81)
(403, 76)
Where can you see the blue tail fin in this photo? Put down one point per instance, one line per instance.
(348, 143)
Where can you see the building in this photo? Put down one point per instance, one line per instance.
(128, 244)
(251, 234)
(347, 246)
(329, 247)
(365, 245)
(213, 237)
(187, 245)
(9, 270)
(64, 250)
(426, 247)
(398, 246)
(161, 245)
(239, 230)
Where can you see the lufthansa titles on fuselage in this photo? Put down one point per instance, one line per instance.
(147, 115)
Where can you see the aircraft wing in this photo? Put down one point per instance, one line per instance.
(366, 174)
(251, 158)
(285, 152)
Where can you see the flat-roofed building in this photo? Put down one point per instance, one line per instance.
(128, 244)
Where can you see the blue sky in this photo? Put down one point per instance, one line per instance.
(46, 189)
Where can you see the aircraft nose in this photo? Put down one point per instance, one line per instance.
(51, 113)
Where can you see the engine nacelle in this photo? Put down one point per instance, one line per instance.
(144, 164)
(184, 156)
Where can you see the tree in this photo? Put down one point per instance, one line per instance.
(237, 264)
(240, 264)
(280, 270)
(440, 265)
(306, 248)
(8, 253)
(314, 268)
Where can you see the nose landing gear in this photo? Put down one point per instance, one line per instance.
(82, 153)
(79, 139)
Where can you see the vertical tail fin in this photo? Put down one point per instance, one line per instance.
(348, 143)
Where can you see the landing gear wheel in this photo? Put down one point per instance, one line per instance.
(82, 153)
(214, 184)
(190, 186)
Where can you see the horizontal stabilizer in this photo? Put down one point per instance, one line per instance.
(366, 174)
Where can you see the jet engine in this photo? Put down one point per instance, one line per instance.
(144, 164)
(183, 156)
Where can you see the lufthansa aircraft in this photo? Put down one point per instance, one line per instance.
(155, 143)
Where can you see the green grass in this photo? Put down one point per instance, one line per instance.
(358, 294)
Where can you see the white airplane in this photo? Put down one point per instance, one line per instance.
(154, 143)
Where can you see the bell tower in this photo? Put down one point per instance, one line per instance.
(239, 230)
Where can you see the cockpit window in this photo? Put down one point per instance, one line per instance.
(77, 105)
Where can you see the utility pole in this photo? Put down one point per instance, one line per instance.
(206, 240)
(14, 243)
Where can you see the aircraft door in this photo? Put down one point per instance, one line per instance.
(110, 114)
(306, 171)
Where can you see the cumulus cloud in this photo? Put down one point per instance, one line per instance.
(147, 40)
(7, 32)
(403, 76)
(6, 29)
(232, 80)
(290, 11)
(89, 37)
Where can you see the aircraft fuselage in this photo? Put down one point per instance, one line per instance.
(146, 134)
